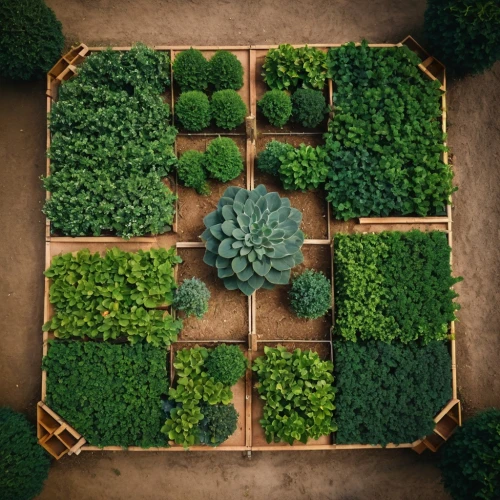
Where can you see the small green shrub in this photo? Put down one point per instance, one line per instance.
(276, 106)
(225, 71)
(226, 364)
(470, 465)
(310, 295)
(228, 109)
(219, 423)
(192, 298)
(303, 168)
(192, 109)
(31, 39)
(23, 462)
(268, 160)
(191, 172)
(223, 159)
(191, 70)
(309, 107)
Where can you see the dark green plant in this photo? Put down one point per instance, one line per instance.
(225, 71)
(470, 465)
(268, 160)
(31, 39)
(405, 277)
(23, 462)
(298, 393)
(192, 109)
(276, 106)
(253, 239)
(309, 107)
(464, 34)
(192, 298)
(222, 159)
(226, 364)
(110, 393)
(191, 172)
(218, 424)
(191, 70)
(310, 295)
(228, 109)
(389, 393)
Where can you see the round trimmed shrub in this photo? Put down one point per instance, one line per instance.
(219, 423)
(276, 106)
(226, 364)
(268, 160)
(23, 462)
(191, 70)
(192, 297)
(31, 39)
(310, 295)
(191, 172)
(223, 159)
(193, 110)
(470, 461)
(309, 107)
(228, 109)
(225, 71)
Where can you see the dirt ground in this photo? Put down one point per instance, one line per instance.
(474, 125)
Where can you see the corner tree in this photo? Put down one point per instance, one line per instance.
(31, 39)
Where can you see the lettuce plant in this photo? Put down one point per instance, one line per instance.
(226, 364)
(192, 298)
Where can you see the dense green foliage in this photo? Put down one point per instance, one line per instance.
(393, 285)
(310, 295)
(289, 68)
(226, 364)
(303, 168)
(464, 34)
(276, 106)
(31, 39)
(110, 393)
(268, 160)
(222, 159)
(225, 71)
(192, 109)
(228, 109)
(191, 70)
(253, 239)
(298, 392)
(385, 138)
(309, 107)
(219, 423)
(470, 461)
(192, 298)
(24, 464)
(114, 296)
(192, 173)
(389, 393)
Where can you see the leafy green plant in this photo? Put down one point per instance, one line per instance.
(268, 160)
(191, 70)
(406, 279)
(389, 393)
(298, 392)
(228, 109)
(218, 424)
(192, 298)
(191, 172)
(193, 110)
(226, 364)
(309, 107)
(113, 296)
(276, 106)
(225, 71)
(464, 34)
(24, 464)
(222, 159)
(310, 295)
(469, 461)
(253, 239)
(303, 168)
(31, 39)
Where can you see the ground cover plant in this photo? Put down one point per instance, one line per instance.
(191, 171)
(389, 393)
(309, 107)
(310, 295)
(225, 71)
(253, 239)
(110, 393)
(393, 286)
(298, 392)
(385, 139)
(276, 106)
(268, 160)
(192, 109)
(222, 159)
(228, 109)
(192, 298)
(191, 70)
(114, 296)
